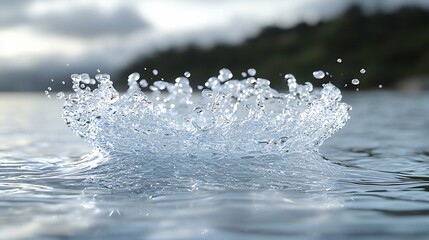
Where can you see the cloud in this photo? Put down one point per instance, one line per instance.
(87, 22)
(12, 12)
(13, 5)
(44, 36)
(80, 21)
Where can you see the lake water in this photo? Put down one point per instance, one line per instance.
(369, 181)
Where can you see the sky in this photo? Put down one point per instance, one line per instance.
(45, 39)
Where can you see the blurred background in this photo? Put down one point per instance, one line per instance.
(382, 43)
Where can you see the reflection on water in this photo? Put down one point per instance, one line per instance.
(372, 181)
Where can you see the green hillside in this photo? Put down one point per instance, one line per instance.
(390, 46)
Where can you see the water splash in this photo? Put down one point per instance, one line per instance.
(230, 117)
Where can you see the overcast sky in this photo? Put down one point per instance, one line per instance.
(44, 39)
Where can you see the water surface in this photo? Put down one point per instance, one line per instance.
(370, 180)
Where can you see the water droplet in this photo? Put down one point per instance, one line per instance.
(134, 77)
(187, 74)
(362, 71)
(224, 75)
(49, 89)
(161, 85)
(243, 74)
(102, 78)
(345, 85)
(98, 70)
(68, 65)
(339, 60)
(200, 87)
(155, 72)
(357, 89)
(76, 78)
(143, 83)
(318, 74)
(251, 72)
(60, 95)
(84, 77)
(207, 93)
(380, 86)
(182, 80)
(212, 82)
(289, 76)
(52, 79)
(355, 81)
(46, 92)
(63, 82)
